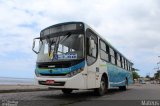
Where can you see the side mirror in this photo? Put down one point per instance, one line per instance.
(36, 47)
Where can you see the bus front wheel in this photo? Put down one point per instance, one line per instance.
(67, 91)
(103, 87)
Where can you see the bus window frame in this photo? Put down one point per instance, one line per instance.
(87, 32)
(112, 55)
(107, 51)
(118, 59)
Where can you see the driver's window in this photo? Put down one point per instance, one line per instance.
(91, 47)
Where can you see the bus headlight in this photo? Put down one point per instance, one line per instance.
(75, 72)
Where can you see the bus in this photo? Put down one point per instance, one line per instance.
(72, 56)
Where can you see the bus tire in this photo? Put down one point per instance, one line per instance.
(103, 87)
(124, 88)
(67, 91)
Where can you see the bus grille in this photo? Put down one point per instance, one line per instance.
(55, 83)
(52, 74)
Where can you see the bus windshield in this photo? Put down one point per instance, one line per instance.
(61, 48)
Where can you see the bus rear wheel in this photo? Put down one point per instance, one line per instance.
(124, 88)
(103, 87)
(67, 91)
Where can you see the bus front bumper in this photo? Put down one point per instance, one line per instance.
(76, 82)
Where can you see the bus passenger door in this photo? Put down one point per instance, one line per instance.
(93, 70)
(92, 54)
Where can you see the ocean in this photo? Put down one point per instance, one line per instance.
(16, 81)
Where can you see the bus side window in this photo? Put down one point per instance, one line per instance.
(121, 61)
(91, 52)
(104, 51)
(115, 54)
(129, 66)
(125, 64)
(112, 55)
(118, 60)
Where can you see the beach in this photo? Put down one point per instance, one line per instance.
(19, 85)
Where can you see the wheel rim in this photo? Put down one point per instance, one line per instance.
(102, 86)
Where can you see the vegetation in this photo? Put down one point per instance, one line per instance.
(135, 75)
(157, 75)
(147, 76)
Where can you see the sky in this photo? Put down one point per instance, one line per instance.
(131, 26)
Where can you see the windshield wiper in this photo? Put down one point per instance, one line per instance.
(65, 37)
(56, 46)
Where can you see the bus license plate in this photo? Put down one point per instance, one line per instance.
(50, 82)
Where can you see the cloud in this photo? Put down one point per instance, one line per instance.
(131, 26)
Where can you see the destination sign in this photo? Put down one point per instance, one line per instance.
(61, 28)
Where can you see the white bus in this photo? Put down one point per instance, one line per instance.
(72, 56)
